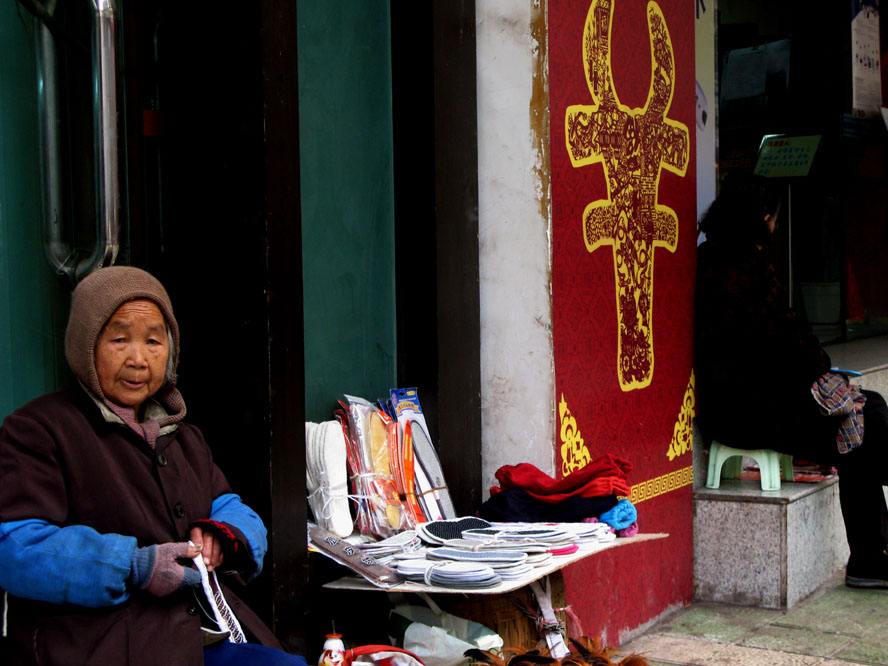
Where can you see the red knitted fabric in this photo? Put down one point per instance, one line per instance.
(605, 475)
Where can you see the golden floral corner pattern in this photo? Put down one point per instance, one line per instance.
(682, 443)
(574, 454)
(683, 432)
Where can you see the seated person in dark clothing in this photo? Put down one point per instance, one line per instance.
(764, 380)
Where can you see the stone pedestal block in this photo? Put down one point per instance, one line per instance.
(766, 549)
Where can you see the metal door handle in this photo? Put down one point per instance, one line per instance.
(62, 257)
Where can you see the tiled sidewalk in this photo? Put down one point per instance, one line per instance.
(836, 626)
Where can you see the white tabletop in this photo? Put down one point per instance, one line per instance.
(556, 563)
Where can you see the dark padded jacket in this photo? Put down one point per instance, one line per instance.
(62, 462)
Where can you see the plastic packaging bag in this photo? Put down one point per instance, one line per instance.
(380, 511)
(439, 638)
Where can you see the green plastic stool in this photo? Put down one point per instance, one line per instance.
(730, 460)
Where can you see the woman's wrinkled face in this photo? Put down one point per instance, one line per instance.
(132, 352)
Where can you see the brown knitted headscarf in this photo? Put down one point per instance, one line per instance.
(94, 300)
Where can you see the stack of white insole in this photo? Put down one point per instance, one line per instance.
(443, 573)
(537, 553)
(590, 533)
(326, 476)
(518, 532)
(507, 564)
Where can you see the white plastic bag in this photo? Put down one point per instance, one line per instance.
(434, 645)
(441, 639)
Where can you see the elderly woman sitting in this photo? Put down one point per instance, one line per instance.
(101, 488)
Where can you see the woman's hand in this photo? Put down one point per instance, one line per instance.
(208, 546)
(159, 569)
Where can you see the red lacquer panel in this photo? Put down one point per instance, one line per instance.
(621, 76)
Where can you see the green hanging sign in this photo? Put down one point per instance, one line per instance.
(786, 156)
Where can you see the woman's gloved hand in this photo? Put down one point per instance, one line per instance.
(156, 569)
(219, 543)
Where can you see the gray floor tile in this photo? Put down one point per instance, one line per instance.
(871, 648)
(842, 609)
(681, 650)
(737, 655)
(837, 626)
(799, 640)
(715, 622)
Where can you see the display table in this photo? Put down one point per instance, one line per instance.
(557, 562)
(499, 607)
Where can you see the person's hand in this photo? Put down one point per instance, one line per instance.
(157, 569)
(219, 543)
(209, 547)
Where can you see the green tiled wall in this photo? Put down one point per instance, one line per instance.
(345, 120)
(33, 301)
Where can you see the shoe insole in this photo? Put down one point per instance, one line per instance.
(441, 530)
(427, 457)
(379, 459)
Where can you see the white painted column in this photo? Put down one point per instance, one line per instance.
(706, 116)
(517, 369)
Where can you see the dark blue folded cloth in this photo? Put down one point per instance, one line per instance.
(518, 506)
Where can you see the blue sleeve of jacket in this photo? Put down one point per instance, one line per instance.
(229, 508)
(64, 565)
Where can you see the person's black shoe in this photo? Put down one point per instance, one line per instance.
(869, 574)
